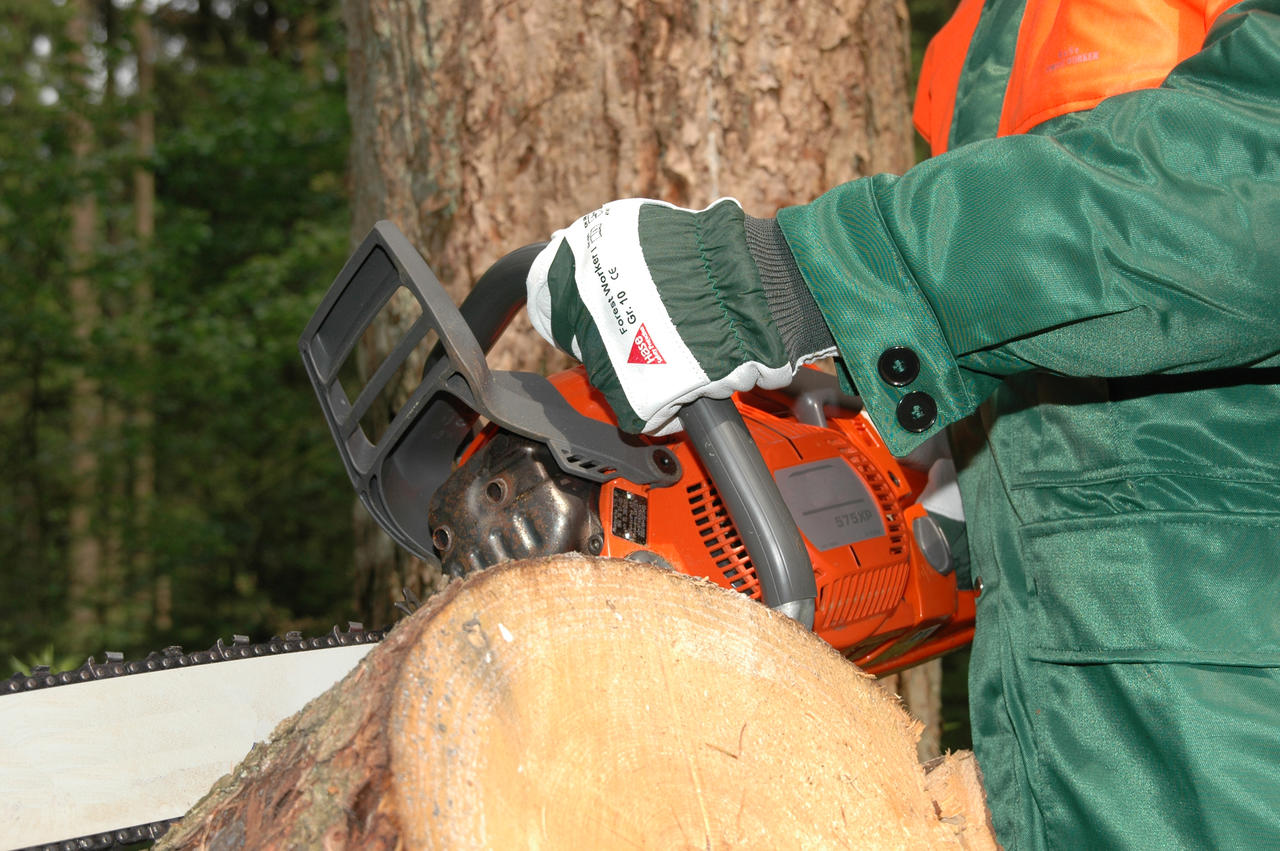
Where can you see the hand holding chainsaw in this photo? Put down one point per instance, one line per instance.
(665, 305)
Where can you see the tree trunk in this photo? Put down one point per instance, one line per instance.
(585, 703)
(482, 125)
(144, 217)
(86, 550)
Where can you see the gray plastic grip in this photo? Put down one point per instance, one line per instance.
(755, 505)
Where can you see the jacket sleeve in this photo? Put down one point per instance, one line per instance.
(1141, 236)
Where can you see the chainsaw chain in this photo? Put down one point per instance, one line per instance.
(113, 839)
(115, 665)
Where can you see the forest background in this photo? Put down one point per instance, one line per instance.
(174, 200)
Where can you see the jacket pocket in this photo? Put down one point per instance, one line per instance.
(1155, 587)
(1152, 694)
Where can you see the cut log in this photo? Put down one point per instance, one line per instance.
(920, 690)
(586, 703)
(954, 783)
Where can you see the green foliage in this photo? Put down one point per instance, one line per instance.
(248, 525)
(45, 657)
(36, 186)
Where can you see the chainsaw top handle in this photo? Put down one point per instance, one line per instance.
(396, 474)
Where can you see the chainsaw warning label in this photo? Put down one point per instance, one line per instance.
(630, 516)
(831, 503)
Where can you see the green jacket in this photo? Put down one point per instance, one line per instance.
(1094, 305)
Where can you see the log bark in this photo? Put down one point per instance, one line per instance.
(584, 703)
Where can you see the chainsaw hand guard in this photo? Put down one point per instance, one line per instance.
(396, 476)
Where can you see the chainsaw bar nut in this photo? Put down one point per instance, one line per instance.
(496, 491)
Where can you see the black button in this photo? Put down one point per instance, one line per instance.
(917, 411)
(898, 366)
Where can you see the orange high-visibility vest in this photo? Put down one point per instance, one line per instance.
(1070, 55)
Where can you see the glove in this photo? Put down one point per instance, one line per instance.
(665, 305)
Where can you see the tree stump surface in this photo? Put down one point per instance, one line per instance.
(572, 702)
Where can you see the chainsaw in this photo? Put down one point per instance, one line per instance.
(788, 497)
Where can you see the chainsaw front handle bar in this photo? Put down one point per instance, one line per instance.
(395, 473)
(718, 435)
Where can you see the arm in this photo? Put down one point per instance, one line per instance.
(1142, 236)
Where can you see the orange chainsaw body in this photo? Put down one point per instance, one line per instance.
(481, 466)
(880, 603)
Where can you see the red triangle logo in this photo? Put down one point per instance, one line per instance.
(643, 350)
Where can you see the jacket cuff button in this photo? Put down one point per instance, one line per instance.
(917, 412)
(898, 366)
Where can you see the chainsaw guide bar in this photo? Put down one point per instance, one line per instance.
(173, 657)
(20, 827)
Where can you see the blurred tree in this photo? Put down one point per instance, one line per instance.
(142, 417)
(85, 414)
(220, 216)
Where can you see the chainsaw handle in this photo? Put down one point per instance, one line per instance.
(498, 295)
(751, 496)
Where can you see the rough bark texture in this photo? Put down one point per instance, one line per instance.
(483, 125)
(585, 703)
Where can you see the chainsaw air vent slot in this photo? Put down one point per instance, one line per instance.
(584, 466)
(882, 564)
(852, 598)
(724, 545)
(883, 495)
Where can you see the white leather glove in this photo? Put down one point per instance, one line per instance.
(664, 305)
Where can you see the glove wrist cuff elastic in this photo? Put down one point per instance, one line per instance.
(804, 332)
